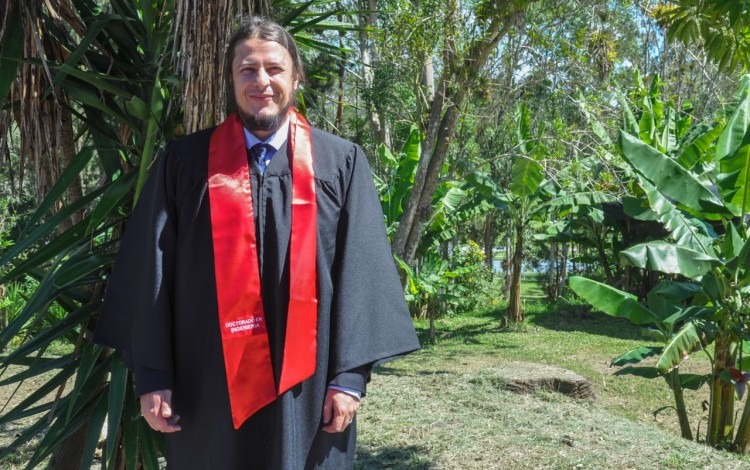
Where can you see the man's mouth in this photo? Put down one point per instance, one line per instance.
(261, 97)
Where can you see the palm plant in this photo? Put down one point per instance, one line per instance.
(722, 27)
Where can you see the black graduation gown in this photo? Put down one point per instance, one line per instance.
(160, 309)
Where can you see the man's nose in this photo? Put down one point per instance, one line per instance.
(262, 77)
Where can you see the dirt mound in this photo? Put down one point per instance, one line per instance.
(529, 377)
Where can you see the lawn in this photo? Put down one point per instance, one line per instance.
(443, 408)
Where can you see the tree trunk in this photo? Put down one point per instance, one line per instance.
(488, 237)
(507, 267)
(599, 242)
(742, 439)
(68, 152)
(573, 254)
(431, 314)
(562, 280)
(201, 32)
(428, 79)
(433, 155)
(721, 407)
(458, 76)
(552, 272)
(369, 57)
(70, 453)
(47, 137)
(673, 379)
(514, 313)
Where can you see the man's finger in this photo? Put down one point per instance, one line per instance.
(162, 425)
(166, 410)
(338, 424)
(327, 411)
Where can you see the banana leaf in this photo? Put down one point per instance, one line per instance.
(636, 355)
(669, 177)
(734, 133)
(683, 343)
(683, 229)
(612, 301)
(526, 176)
(669, 258)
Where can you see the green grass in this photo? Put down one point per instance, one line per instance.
(442, 407)
(530, 289)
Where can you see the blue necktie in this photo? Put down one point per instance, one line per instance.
(261, 154)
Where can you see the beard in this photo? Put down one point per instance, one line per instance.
(264, 123)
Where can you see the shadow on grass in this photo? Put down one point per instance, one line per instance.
(586, 321)
(385, 370)
(466, 334)
(406, 458)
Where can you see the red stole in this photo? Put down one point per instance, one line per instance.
(247, 355)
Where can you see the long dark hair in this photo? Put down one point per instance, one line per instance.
(259, 27)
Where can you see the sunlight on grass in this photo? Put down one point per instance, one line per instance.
(530, 288)
(442, 408)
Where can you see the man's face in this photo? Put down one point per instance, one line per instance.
(264, 84)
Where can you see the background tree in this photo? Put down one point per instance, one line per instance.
(461, 64)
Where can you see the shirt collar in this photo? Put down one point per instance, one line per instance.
(277, 139)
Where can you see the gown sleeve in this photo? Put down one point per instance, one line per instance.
(371, 322)
(136, 316)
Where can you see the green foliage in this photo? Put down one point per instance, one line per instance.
(438, 287)
(673, 180)
(430, 289)
(681, 332)
(612, 301)
(395, 188)
(721, 26)
(527, 174)
(689, 316)
(474, 280)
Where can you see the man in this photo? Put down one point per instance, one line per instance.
(254, 289)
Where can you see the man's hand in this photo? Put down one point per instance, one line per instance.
(338, 410)
(156, 407)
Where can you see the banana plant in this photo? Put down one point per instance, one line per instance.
(704, 209)
(722, 27)
(528, 194)
(395, 187)
(431, 286)
(670, 319)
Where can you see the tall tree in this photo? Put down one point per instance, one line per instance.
(469, 41)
